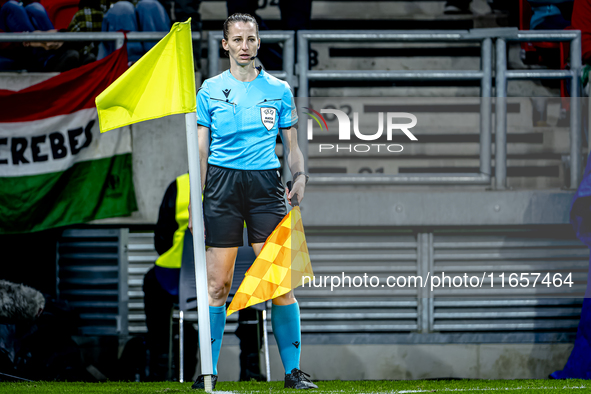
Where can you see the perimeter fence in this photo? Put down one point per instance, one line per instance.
(490, 101)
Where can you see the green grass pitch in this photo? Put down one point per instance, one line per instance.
(333, 387)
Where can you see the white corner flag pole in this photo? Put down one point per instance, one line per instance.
(199, 249)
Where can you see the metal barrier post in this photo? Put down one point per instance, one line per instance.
(289, 60)
(213, 58)
(573, 74)
(303, 91)
(289, 67)
(575, 114)
(501, 116)
(423, 292)
(303, 62)
(485, 107)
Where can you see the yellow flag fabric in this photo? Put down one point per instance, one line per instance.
(161, 83)
(283, 264)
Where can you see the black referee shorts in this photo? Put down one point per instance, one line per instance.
(232, 197)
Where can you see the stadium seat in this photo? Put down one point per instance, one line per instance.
(60, 12)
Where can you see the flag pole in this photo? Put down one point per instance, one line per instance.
(199, 250)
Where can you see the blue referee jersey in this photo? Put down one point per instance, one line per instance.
(244, 119)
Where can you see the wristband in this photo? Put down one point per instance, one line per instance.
(297, 174)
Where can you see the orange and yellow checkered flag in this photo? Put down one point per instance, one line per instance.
(283, 264)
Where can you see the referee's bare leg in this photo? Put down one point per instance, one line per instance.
(220, 270)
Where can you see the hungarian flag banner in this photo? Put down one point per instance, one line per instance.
(55, 167)
(283, 264)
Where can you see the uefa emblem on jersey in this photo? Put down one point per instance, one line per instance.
(268, 116)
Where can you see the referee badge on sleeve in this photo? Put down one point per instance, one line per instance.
(268, 117)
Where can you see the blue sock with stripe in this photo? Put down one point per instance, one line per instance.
(217, 322)
(285, 320)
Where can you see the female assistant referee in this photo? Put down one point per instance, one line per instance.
(240, 112)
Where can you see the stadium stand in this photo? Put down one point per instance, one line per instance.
(364, 15)
(60, 11)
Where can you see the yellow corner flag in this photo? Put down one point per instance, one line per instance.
(283, 264)
(161, 83)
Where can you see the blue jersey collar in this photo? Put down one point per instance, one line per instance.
(235, 80)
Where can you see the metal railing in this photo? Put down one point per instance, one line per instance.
(503, 76)
(285, 37)
(484, 75)
(118, 37)
(483, 36)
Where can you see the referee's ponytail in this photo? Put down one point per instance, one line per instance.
(238, 17)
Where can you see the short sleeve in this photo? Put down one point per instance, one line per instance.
(203, 114)
(288, 115)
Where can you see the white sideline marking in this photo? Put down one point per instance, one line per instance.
(490, 389)
(440, 390)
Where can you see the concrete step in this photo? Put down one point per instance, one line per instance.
(392, 56)
(514, 89)
(536, 144)
(434, 114)
(394, 91)
(521, 174)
